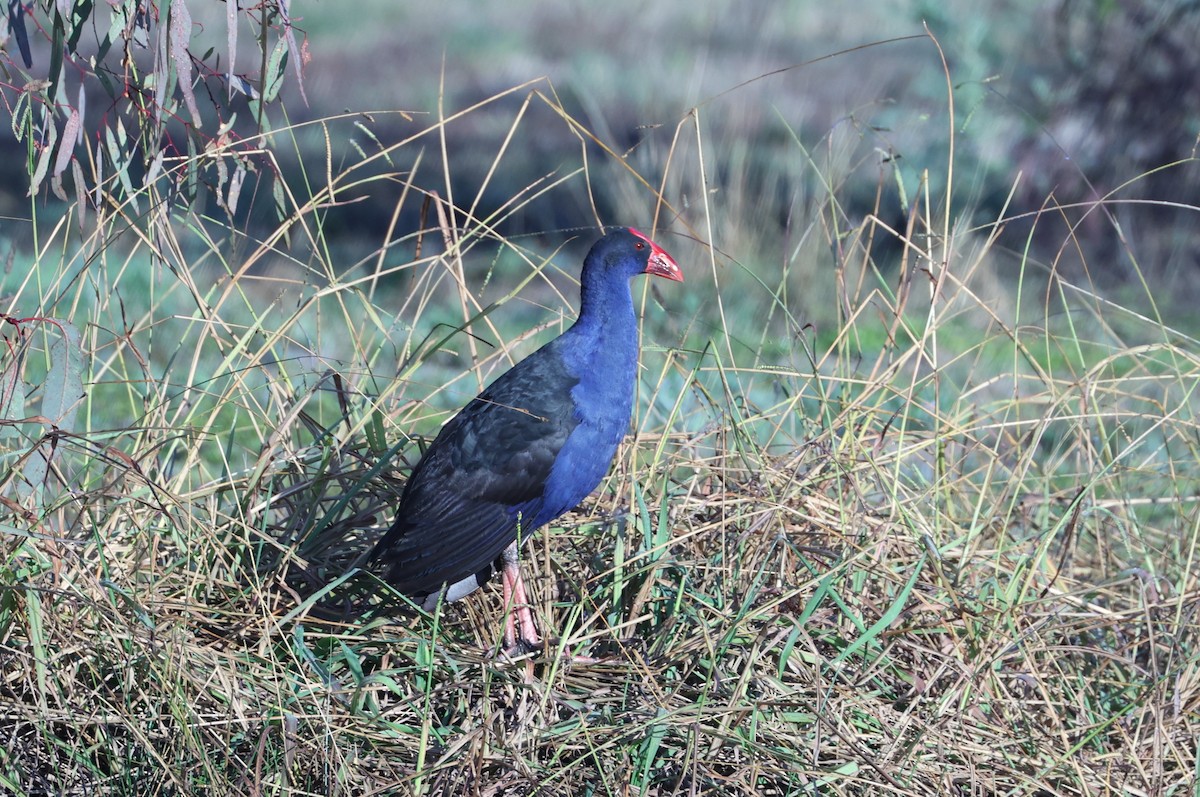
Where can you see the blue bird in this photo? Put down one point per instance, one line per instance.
(527, 449)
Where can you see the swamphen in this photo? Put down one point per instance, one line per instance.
(527, 449)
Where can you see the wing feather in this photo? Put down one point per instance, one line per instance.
(481, 482)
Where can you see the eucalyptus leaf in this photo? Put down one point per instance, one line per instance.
(64, 379)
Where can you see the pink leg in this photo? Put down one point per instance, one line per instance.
(518, 619)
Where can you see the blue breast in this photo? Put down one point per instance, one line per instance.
(605, 361)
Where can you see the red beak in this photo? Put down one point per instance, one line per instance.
(660, 264)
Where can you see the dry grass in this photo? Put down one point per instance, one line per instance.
(944, 543)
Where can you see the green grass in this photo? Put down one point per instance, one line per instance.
(943, 541)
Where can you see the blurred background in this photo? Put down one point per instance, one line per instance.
(1075, 124)
(1061, 103)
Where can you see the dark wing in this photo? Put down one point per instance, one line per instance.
(481, 481)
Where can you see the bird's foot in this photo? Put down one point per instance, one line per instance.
(531, 651)
(519, 649)
(615, 651)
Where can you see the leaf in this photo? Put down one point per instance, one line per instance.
(98, 199)
(181, 35)
(193, 171)
(12, 394)
(376, 437)
(887, 618)
(155, 170)
(64, 378)
(141, 26)
(40, 653)
(34, 473)
(235, 188)
(241, 86)
(16, 23)
(116, 32)
(106, 83)
(66, 146)
(281, 207)
(273, 80)
(20, 115)
(43, 164)
(231, 37)
(56, 57)
(647, 753)
(297, 55)
(81, 106)
(80, 194)
(120, 161)
(222, 171)
(82, 11)
(161, 75)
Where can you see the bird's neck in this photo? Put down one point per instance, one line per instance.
(604, 305)
(605, 338)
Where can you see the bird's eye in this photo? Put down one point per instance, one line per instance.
(639, 245)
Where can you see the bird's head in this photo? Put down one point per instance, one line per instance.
(626, 252)
(658, 262)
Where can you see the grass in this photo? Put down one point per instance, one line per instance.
(942, 540)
